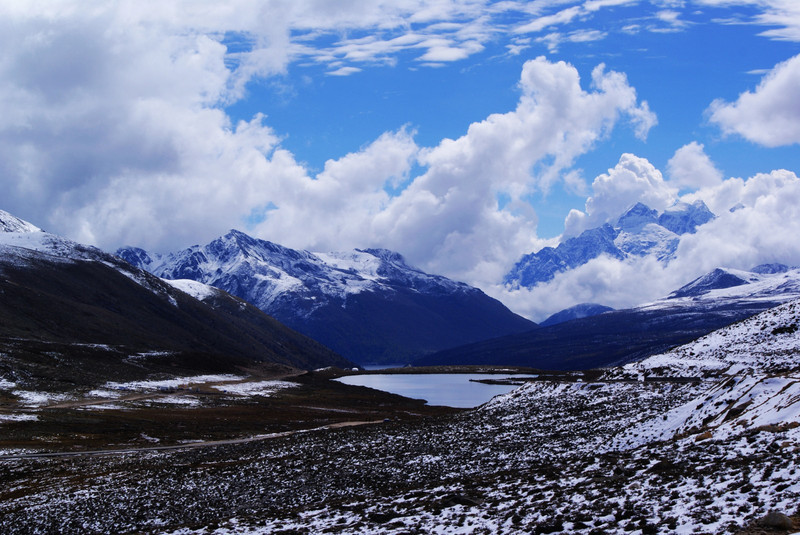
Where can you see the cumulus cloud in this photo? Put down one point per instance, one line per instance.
(602, 280)
(691, 167)
(632, 180)
(770, 115)
(336, 208)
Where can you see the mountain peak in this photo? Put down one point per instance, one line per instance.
(368, 305)
(684, 218)
(638, 232)
(637, 217)
(385, 255)
(10, 223)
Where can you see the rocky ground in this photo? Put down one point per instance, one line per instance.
(550, 457)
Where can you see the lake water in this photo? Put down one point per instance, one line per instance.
(448, 389)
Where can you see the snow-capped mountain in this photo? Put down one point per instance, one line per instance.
(775, 283)
(56, 291)
(368, 305)
(640, 231)
(21, 241)
(266, 273)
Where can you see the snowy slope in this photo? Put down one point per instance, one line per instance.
(752, 373)
(766, 343)
(198, 290)
(10, 223)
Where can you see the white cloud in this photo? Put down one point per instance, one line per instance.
(448, 52)
(344, 71)
(554, 40)
(540, 23)
(632, 180)
(602, 280)
(770, 115)
(595, 5)
(336, 209)
(691, 167)
(785, 14)
(113, 130)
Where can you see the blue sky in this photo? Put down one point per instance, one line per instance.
(460, 133)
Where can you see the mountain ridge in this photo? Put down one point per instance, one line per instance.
(367, 304)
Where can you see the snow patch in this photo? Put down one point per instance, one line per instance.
(255, 388)
(198, 290)
(18, 418)
(37, 399)
(5, 384)
(145, 386)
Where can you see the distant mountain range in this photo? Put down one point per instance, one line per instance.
(59, 297)
(641, 231)
(710, 302)
(368, 305)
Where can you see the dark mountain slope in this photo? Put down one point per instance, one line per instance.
(102, 300)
